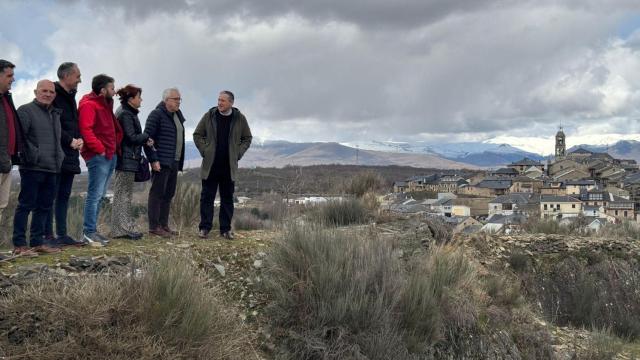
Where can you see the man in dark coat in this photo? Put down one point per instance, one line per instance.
(165, 125)
(43, 158)
(10, 133)
(222, 137)
(66, 88)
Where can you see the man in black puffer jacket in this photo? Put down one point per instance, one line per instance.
(40, 122)
(71, 142)
(165, 125)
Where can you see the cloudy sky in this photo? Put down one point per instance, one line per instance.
(308, 70)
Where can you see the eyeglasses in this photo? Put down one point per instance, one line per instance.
(176, 99)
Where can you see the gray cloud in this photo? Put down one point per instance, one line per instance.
(339, 70)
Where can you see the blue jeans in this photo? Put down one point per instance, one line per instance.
(100, 170)
(36, 197)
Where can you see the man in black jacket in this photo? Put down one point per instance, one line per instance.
(42, 162)
(10, 133)
(66, 88)
(165, 125)
(222, 137)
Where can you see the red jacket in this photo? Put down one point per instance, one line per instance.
(99, 128)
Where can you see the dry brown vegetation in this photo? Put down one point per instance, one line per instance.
(167, 311)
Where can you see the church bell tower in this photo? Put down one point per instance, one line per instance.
(561, 145)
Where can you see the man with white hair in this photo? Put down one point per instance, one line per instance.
(165, 125)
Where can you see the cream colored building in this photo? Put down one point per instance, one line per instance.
(558, 207)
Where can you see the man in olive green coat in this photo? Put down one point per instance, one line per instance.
(222, 137)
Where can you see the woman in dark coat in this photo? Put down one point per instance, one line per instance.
(122, 225)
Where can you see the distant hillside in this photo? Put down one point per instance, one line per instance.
(283, 153)
(494, 159)
(474, 153)
(625, 149)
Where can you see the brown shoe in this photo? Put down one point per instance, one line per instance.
(160, 232)
(168, 229)
(44, 249)
(227, 235)
(24, 251)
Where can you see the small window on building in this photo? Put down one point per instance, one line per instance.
(573, 206)
(616, 212)
(625, 213)
(545, 206)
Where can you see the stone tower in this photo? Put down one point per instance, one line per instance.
(561, 145)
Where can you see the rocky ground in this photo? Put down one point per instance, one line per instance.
(236, 266)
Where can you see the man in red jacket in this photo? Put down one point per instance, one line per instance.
(10, 133)
(102, 136)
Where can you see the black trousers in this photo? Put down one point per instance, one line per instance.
(36, 197)
(64, 182)
(217, 180)
(163, 188)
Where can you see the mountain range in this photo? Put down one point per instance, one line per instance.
(469, 155)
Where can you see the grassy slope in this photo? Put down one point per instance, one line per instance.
(241, 278)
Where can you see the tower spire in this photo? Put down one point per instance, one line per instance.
(561, 146)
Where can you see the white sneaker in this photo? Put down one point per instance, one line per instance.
(93, 240)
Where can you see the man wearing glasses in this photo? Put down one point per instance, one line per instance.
(165, 125)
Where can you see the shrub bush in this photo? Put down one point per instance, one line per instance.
(536, 225)
(185, 206)
(247, 220)
(169, 312)
(518, 261)
(333, 289)
(439, 296)
(601, 295)
(603, 345)
(627, 229)
(363, 183)
(341, 294)
(341, 213)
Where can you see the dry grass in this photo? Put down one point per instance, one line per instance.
(169, 312)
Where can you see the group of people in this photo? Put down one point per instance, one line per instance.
(46, 137)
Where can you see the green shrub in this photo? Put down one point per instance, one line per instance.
(333, 289)
(185, 206)
(603, 345)
(438, 296)
(344, 294)
(627, 229)
(243, 220)
(603, 294)
(544, 226)
(341, 213)
(502, 291)
(518, 261)
(363, 183)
